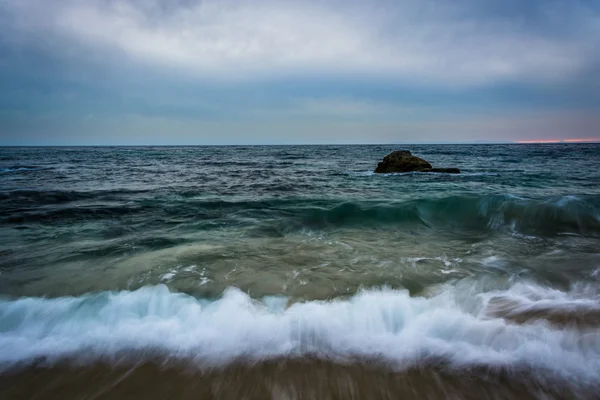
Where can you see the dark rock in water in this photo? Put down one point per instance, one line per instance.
(445, 170)
(404, 161)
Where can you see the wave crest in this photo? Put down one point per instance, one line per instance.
(549, 216)
(385, 325)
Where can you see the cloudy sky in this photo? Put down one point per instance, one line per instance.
(287, 71)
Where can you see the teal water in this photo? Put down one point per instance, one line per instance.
(217, 253)
(305, 221)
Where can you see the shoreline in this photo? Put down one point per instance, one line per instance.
(302, 378)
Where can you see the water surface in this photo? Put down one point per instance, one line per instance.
(263, 265)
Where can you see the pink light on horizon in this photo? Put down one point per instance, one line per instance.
(582, 140)
(577, 140)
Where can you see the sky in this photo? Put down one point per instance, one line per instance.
(179, 72)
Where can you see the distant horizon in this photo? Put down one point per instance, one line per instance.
(485, 142)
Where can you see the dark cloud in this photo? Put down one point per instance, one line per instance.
(191, 63)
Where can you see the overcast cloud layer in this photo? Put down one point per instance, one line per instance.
(237, 71)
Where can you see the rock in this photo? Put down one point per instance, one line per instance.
(401, 161)
(404, 161)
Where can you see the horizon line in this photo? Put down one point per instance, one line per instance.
(482, 142)
(576, 140)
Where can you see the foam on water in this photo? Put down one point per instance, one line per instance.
(386, 325)
(19, 168)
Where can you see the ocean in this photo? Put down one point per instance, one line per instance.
(295, 272)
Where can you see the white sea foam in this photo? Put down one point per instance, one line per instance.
(168, 276)
(186, 271)
(385, 324)
(493, 262)
(447, 261)
(448, 271)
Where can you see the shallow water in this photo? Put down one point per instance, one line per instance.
(276, 262)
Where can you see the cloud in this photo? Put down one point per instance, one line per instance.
(346, 109)
(291, 71)
(430, 42)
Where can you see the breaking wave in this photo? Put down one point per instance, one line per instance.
(457, 328)
(549, 216)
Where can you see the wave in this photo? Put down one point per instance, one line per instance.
(20, 168)
(52, 197)
(551, 216)
(383, 325)
(535, 217)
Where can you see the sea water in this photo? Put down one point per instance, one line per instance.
(296, 272)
